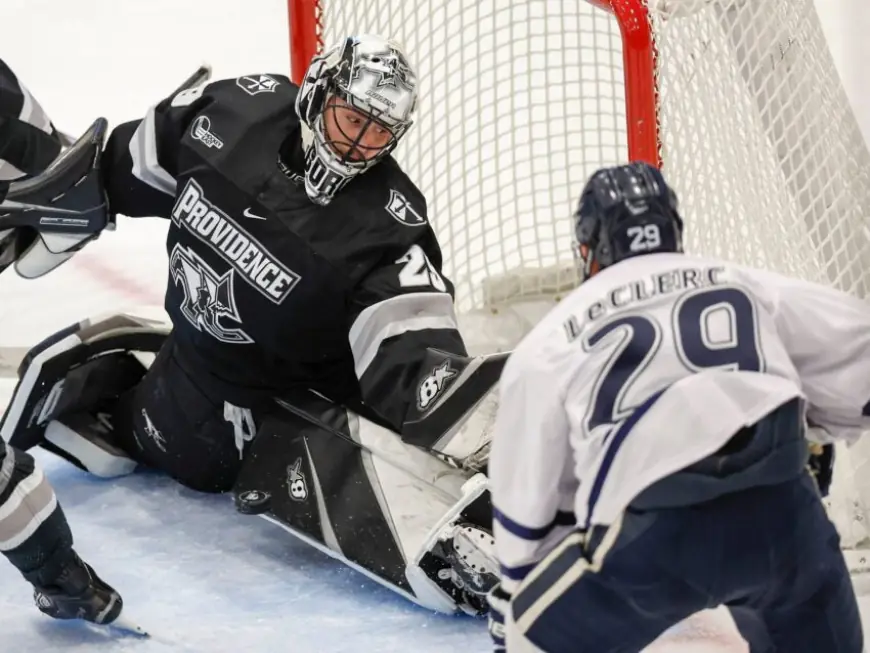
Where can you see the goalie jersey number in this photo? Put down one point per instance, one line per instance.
(640, 337)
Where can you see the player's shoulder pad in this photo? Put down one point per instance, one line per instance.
(250, 93)
(387, 205)
(402, 201)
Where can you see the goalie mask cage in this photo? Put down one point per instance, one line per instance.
(739, 101)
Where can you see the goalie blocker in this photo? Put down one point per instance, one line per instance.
(415, 520)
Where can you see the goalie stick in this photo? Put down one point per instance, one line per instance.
(308, 416)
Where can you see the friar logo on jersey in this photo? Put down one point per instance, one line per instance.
(400, 208)
(433, 385)
(254, 263)
(255, 84)
(209, 301)
(296, 485)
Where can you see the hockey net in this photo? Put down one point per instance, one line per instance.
(738, 100)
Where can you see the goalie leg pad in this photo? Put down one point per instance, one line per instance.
(69, 384)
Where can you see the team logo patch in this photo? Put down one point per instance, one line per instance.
(433, 385)
(256, 84)
(393, 72)
(209, 299)
(400, 208)
(296, 484)
(201, 131)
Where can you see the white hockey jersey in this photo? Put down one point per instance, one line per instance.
(650, 366)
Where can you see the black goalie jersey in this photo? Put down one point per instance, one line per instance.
(267, 291)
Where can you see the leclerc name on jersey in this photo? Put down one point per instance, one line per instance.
(220, 232)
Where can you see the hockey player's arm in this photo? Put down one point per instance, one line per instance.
(400, 312)
(827, 335)
(140, 162)
(531, 477)
(28, 140)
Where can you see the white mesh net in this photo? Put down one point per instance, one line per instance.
(759, 140)
(521, 101)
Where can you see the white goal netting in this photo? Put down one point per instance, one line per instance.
(521, 101)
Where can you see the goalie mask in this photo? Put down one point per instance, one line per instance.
(625, 211)
(356, 101)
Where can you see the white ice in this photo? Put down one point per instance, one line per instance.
(196, 574)
(201, 577)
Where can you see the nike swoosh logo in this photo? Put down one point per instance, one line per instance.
(247, 213)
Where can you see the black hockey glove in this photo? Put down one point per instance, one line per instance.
(821, 466)
(47, 219)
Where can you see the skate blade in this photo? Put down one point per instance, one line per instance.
(125, 624)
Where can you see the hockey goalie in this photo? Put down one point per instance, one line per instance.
(311, 363)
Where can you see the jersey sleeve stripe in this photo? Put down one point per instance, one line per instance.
(394, 316)
(9, 172)
(143, 152)
(518, 572)
(518, 557)
(562, 518)
(25, 149)
(32, 112)
(613, 447)
(27, 501)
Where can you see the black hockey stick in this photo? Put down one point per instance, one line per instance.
(309, 417)
(256, 502)
(201, 75)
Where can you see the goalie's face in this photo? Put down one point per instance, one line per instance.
(353, 135)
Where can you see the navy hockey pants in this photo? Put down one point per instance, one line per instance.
(769, 553)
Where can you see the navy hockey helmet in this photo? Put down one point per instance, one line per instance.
(625, 211)
(368, 78)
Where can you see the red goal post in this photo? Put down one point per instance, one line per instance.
(638, 56)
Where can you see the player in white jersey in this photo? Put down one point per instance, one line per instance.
(650, 452)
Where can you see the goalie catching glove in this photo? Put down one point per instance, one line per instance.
(47, 219)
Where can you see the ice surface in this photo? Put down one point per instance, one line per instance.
(201, 577)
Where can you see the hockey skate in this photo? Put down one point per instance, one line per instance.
(78, 593)
(461, 557)
(470, 571)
